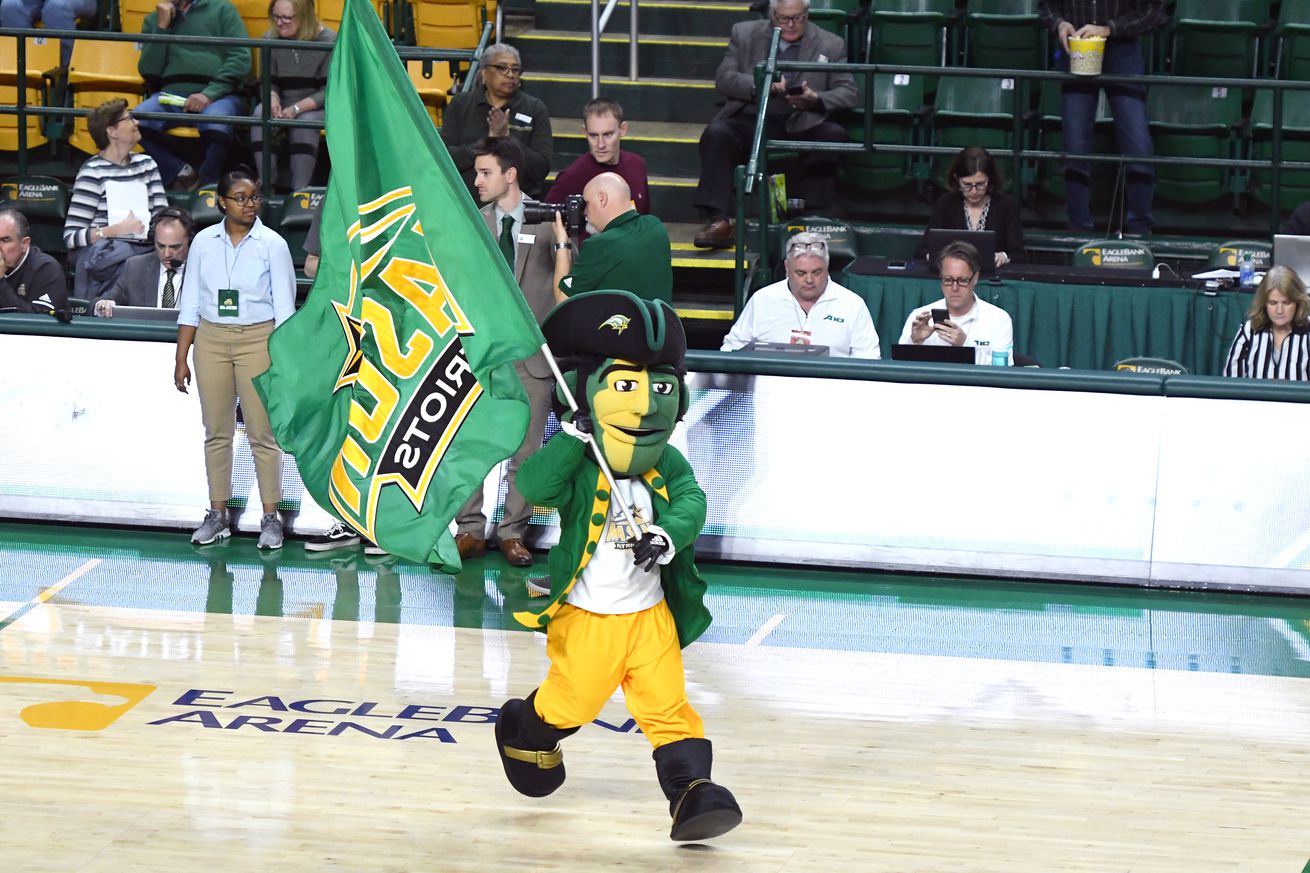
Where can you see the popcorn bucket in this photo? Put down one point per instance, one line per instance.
(1086, 55)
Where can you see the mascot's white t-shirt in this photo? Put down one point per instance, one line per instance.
(612, 583)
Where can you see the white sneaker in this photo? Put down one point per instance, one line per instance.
(338, 537)
(270, 531)
(213, 528)
(373, 550)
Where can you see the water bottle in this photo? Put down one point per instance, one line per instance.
(1001, 357)
(1246, 271)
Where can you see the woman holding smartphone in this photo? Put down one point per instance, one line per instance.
(239, 285)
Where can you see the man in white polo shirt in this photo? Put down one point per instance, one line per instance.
(969, 321)
(807, 308)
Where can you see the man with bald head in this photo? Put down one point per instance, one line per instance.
(627, 252)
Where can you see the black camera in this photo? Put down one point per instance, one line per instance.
(573, 209)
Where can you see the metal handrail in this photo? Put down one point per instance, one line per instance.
(599, 21)
(264, 46)
(756, 168)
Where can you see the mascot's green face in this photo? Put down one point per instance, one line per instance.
(634, 409)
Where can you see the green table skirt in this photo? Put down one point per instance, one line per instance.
(1087, 327)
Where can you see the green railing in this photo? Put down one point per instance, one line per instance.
(458, 60)
(756, 169)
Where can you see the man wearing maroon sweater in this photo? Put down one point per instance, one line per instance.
(603, 120)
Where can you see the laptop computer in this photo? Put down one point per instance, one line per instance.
(145, 313)
(982, 240)
(1293, 251)
(786, 348)
(934, 354)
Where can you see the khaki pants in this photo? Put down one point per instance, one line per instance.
(226, 357)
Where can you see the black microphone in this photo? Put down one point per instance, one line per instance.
(173, 264)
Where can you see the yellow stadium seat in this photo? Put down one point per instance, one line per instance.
(431, 91)
(41, 61)
(451, 24)
(101, 71)
(132, 12)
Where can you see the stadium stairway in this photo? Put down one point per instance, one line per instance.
(681, 44)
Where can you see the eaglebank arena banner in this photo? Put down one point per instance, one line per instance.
(956, 479)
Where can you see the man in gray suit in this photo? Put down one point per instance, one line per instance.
(528, 248)
(798, 109)
(153, 279)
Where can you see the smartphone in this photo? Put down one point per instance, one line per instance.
(939, 315)
(795, 90)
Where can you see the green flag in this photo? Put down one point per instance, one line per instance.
(394, 385)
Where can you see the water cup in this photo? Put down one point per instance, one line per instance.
(1086, 55)
(1000, 358)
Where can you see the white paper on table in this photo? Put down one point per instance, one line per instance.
(125, 197)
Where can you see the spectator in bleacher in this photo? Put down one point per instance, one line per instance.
(799, 107)
(499, 108)
(602, 120)
(240, 283)
(969, 321)
(53, 14)
(1120, 22)
(974, 200)
(206, 78)
(155, 278)
(299, 79)
(807, 308)
(628, 251)
(312, 246)
(87, 228)
(1274, 341)
(32, 280)
(1298, 223)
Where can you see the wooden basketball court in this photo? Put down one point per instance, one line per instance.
(163, 708)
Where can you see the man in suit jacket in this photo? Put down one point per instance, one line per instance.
(154, 278)
(799, 108)
(528, 248)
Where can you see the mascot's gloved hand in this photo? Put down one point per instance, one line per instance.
(579, 428)
(653, 548)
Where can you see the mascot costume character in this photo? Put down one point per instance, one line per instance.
(623, 601)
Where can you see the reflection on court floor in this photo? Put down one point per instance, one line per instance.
(162, 707)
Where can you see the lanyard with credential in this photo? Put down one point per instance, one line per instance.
(229, 298)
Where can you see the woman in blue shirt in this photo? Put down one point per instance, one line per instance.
(239, 284)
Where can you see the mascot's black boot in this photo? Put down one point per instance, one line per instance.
(529, 748)
(700, 808)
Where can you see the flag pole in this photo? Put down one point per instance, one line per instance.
(595, 446)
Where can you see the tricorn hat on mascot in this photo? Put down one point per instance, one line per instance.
(616, 324)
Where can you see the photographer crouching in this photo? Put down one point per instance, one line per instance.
(627, 252)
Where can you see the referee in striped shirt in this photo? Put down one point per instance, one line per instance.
(1274, 342)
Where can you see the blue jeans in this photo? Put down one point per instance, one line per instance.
(54, 14)
(1123, 57)
(216, 138)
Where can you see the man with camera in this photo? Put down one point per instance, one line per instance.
(153, 279)
(628, 252)
(807, 308)
(960, 318)
(526, 245)
(799, 108)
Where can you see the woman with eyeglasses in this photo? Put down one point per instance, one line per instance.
(239, 285)
(299, 78)
(1274, 342)
(115, 133)
(974, 201)
(499, 108)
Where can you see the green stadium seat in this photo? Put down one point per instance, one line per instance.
(1294, 185)
(975, 112)
(297, 212)
(898, 119)
(204, 207)
(1217, 37)
(1291, 40)
(1195, 121)
(911, 32)
(44, 200)
(847, 19)
(1114, 254)
(1005, 34)
(1230, 254)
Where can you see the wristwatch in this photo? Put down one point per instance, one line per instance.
(559, 247)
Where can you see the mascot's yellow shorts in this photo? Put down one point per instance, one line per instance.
(592, 654)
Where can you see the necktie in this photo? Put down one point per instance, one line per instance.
(507, 239)
(170, 293)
